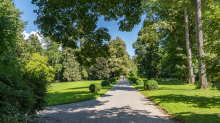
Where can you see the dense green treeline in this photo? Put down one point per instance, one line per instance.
(171, 42)
(28, 66)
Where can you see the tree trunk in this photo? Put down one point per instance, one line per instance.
(188, 49)
(202, 70)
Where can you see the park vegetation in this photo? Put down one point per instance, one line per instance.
(179, 38)
(28, 66)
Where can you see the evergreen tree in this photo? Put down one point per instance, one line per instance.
(36, 44)
(71, 66)
(101, 69)
(54, 56)
(146, 49)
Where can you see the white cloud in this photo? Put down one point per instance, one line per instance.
(26, 35)
(40, 37)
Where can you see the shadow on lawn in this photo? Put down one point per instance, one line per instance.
(57, 98)
(171, 82)
(77, 88)
(197, 101)
(190, 117)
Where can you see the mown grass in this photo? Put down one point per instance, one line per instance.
(76, 91)
(185, 103)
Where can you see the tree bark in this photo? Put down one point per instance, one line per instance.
(188, 49)
(202, 70)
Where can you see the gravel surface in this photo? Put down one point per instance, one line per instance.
(121, 104)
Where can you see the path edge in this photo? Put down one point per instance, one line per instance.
(157, 106)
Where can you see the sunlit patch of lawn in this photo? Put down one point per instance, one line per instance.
(184, 102)
(76, 91)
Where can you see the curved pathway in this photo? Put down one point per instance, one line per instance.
(121, 104)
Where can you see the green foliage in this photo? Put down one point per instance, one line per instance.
(70, 65)
(106, 83)
(191, 101)
(112, 79)
(117, 78)
(134, 69)
(139, 82)
(18, 98)
(38, 74)
(151, 85)
(132, 79)
(101, 69)
(54, 55)
(71, 92)
(119, 61)
(197, 86)
(37, 69)
(146, 49)
(95, 87)
(67, 25)
(84, 74)
(35, 44)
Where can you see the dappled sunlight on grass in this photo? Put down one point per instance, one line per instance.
(186, 103)
(70, 92)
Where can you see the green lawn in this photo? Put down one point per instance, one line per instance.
(76, 91)
(185, 103)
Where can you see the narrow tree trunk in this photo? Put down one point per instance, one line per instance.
(202, 70)
(188, 49)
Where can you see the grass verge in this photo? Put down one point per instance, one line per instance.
(76, 91)
(185, 103)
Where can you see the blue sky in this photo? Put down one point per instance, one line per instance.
(127, 37)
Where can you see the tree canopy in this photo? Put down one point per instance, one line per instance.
(68, 21)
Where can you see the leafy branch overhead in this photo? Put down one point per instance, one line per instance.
(67, 21)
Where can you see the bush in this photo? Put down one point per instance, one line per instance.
(151, 85)
(117, 78)
(106, 83)
(112, 79)
(23, 93)
(133, 80)
(139, 82)
(95, 87)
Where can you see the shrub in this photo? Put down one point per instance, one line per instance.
(151, 85)
(106, 83)
(112, 79)
(133, 80)
(95, 87)
(139, 82)
(117, 78)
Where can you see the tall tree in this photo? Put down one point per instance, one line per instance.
(54, 56)
(119, 60)
(202, 70)
(36, 44)
(70, 21)
(70, 65)
(188, 49)
(101, 69)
